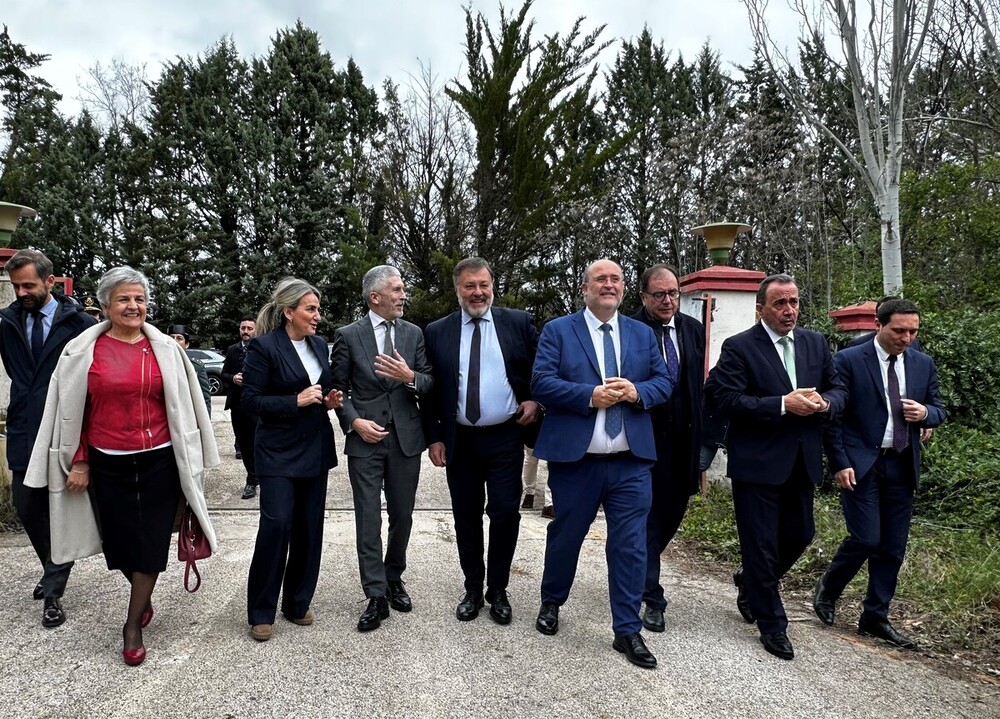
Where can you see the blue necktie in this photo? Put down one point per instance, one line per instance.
(37, 336)
(613, 414)
(673, 361)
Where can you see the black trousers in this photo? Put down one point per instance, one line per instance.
(486, 468)
(671, 492)
(32, 506)
(775, 524)
(245, 429)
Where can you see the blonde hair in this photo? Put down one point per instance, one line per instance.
(287, 294)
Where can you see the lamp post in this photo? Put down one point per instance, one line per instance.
(719, 238)
(9, 215)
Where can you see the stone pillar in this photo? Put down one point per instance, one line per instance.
(6, 297)
(724, 299)
(857, 319)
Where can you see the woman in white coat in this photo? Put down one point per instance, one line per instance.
(124, 414)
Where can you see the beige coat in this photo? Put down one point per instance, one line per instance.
(73, 525)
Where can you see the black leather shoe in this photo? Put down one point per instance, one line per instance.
(823, 604)
(548, 619)
(883, 630)
(250, 491)
(634, 649)
(38, 592)
(52, 615)
(528, 502)
(778, 645)
(500, 611)
(398, 598)
(653, 620)
(468, 608)
(371, 618)
(742, 600)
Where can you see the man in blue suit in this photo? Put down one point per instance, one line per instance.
(777, 385)
(874, 453)
(479, 411)
(597, 374)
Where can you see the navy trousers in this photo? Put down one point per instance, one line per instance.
(289, 546)
(877, 514)
(622, 486)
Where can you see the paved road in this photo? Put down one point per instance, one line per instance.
(201, 662)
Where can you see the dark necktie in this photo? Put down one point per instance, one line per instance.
(387, 345)
(37, 335)
(472, 412)
(673, 361)
(613, 414)
(896, 406)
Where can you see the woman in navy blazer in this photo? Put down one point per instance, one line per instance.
(287, 385)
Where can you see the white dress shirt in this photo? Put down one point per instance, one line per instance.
(497, 403)
(600, 442)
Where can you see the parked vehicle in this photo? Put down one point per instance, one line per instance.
(213, 362)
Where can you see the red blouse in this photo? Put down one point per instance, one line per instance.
(125, 405)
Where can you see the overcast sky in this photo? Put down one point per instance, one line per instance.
(387, 38)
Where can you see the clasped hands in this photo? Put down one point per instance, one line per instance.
(314, 395)
(613, 391)
(805, 401)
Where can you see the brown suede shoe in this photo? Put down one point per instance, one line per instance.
(305, 620)
(261, 632)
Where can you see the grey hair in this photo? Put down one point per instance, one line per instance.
(780, 279)
(376, 277)
(472, 264)
(287, 294)
(124, 275)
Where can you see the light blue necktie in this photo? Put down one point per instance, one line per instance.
(788, 351)
(613, 414)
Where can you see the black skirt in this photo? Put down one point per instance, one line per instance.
(136, 497)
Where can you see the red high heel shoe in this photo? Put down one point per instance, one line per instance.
(133, 657)
(147, 616)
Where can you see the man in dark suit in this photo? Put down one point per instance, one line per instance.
(34, 329)
(244, 423)
(597, 374)
(777, 385)
(874, 453)
(380, 365)
(677, 425)
(481, 357)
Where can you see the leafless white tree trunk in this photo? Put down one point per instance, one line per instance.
(877, 57)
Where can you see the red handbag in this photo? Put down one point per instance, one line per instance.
(192, 544)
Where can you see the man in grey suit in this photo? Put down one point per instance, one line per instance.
(380, 365)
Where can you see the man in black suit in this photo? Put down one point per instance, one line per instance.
(874, 453)
(777, 385)
(676, 424)
(380, 365)
(481, 357)
(244, 423)
(34, 329)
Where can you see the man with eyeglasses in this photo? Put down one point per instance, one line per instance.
(676, 424)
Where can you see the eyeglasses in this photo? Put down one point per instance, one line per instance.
(660, 296)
